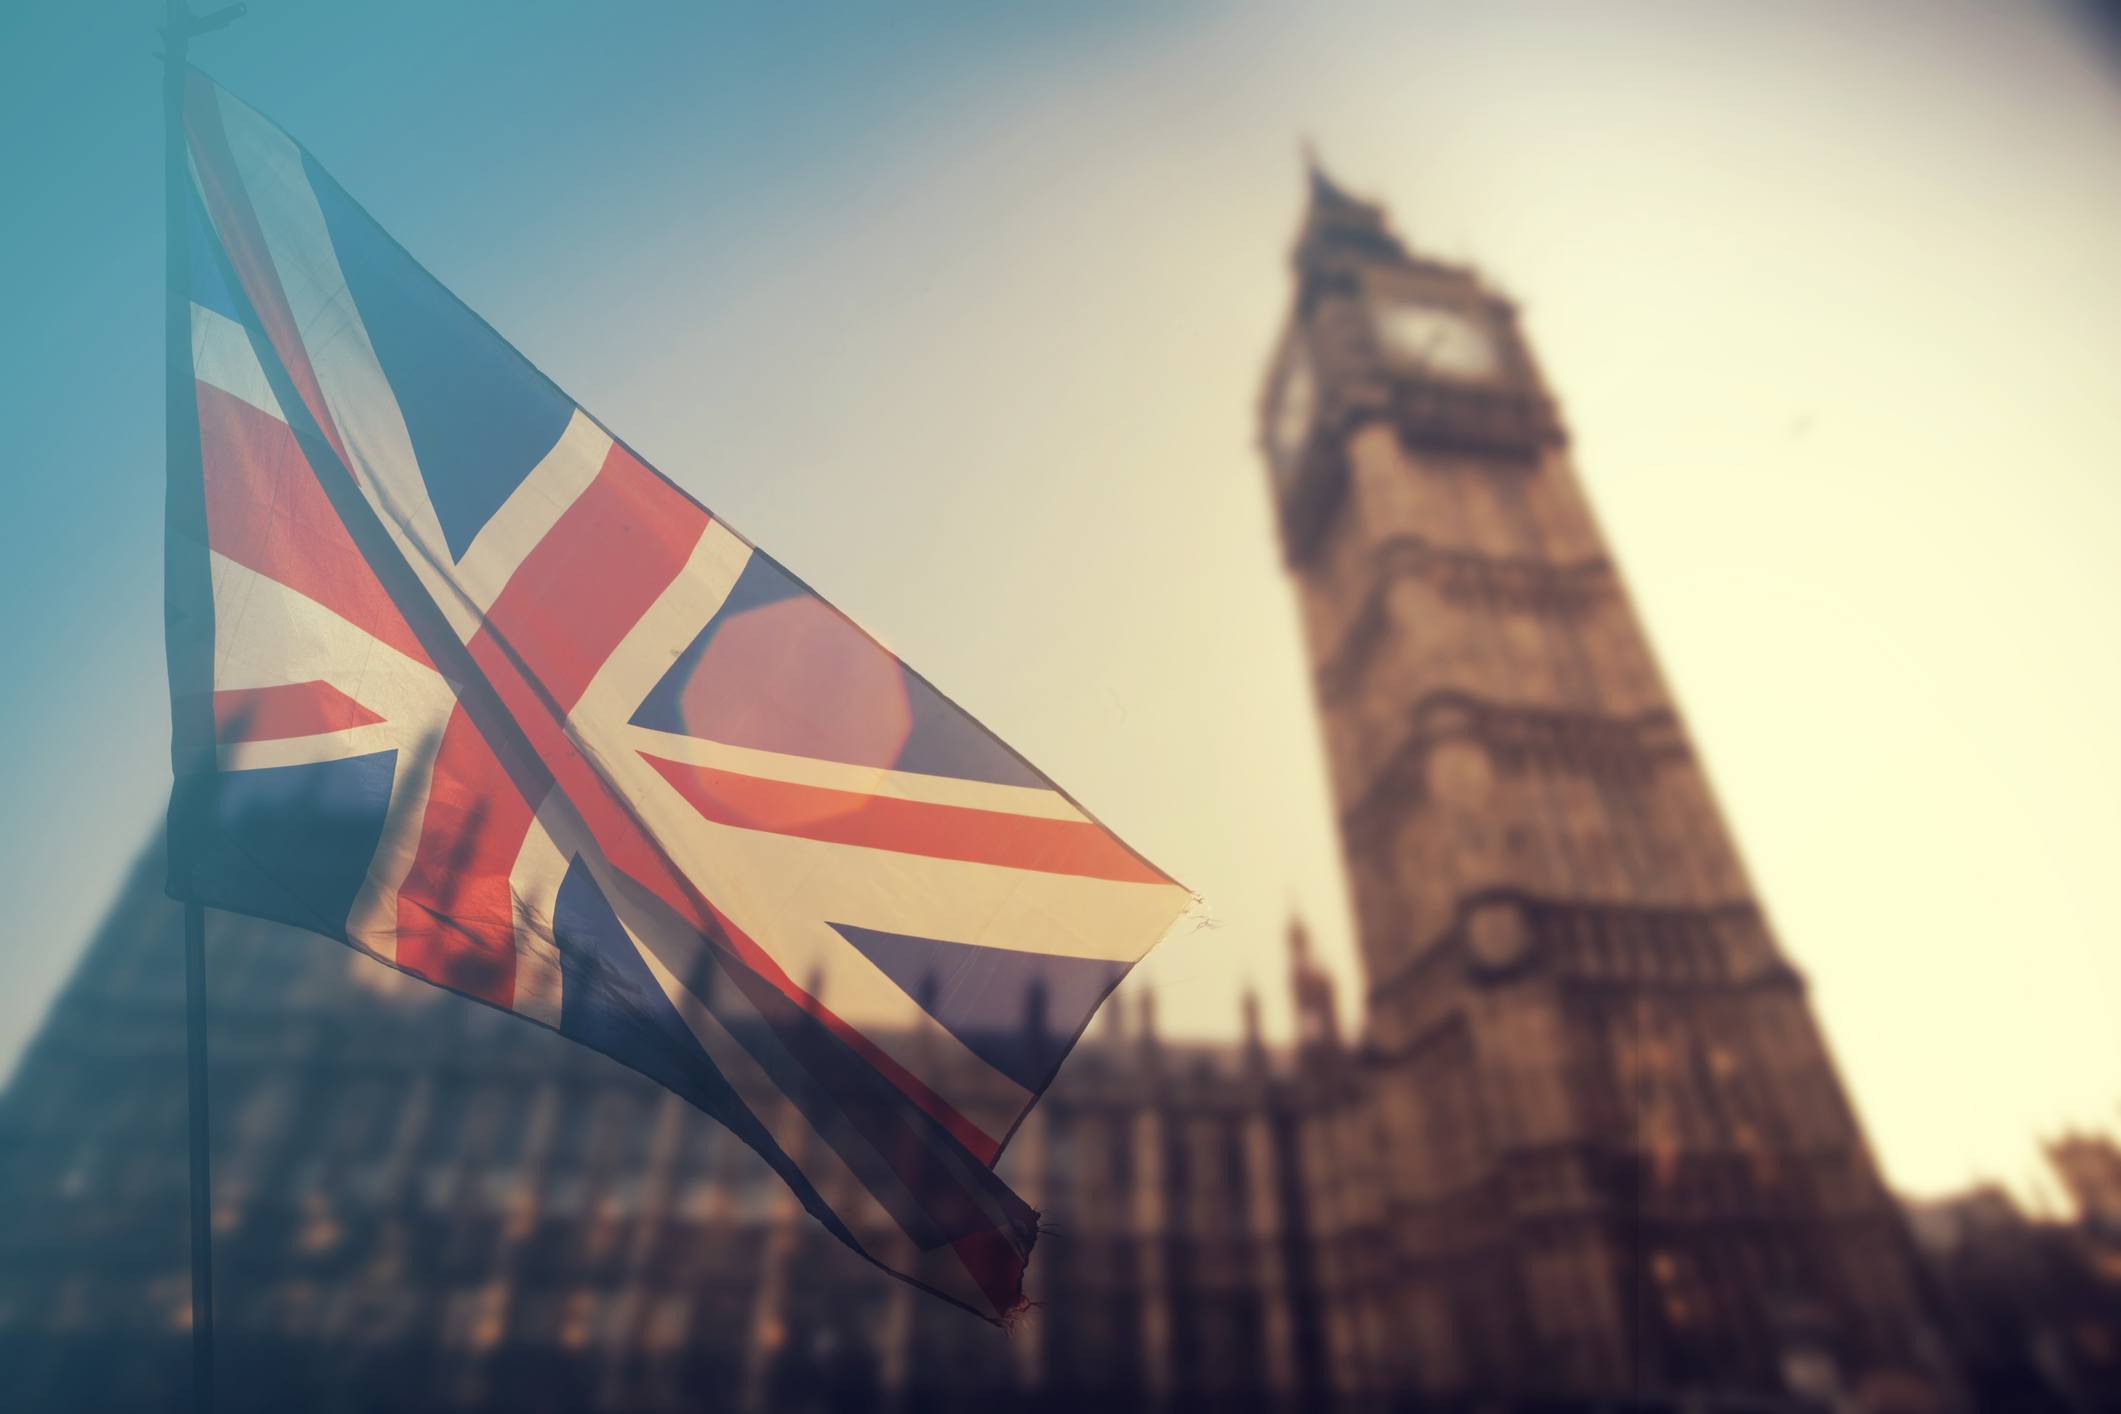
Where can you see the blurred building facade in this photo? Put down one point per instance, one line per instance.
(1593, 1143)
(421, 1203)
(2031, 1306)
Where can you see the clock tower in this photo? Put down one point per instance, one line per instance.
(1591, 1143)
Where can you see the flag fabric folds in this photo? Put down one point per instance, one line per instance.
(458, 680)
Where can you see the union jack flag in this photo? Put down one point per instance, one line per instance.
(458, 680)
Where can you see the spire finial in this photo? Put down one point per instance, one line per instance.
(1340, 224)
(1324, 190)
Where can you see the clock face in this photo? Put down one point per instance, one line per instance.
(1436, 339)
(1289, 423)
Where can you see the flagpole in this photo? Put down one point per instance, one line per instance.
(202, 1233)
(182, 426)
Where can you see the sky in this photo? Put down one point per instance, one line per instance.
(962, 311)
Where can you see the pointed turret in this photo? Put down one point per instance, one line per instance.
(1255, 1040)
(1338, 225)
(1317, 1010)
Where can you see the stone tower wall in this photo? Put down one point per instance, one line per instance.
(1590, 1140)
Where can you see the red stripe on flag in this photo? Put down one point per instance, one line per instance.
(983, 1146)
(265, 511)
(288, 710)
(565, 610)
(584, 586)
(575, 596)
(456, 906)
(595, 573)
(228, 203)
(908, 826)
(629, 848)
(762, 965)
(998, 1269)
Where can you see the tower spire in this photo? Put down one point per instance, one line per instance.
(1317, 1013)
(1338, 224)
(1543, 894)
